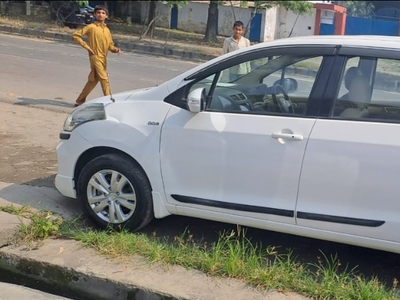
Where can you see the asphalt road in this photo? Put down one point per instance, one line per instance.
(51, 74)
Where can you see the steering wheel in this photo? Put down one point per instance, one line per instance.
(285, 104)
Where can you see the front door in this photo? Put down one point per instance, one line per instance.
(243, 154)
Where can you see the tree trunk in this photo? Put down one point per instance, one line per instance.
(211, 29)
(129, 12)
(152, 16)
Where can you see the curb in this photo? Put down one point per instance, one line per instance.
(138, 47)
(65, 268)
(53, 278)
(59, 277)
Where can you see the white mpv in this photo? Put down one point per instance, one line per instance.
(306, 143)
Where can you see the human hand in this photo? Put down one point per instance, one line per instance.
(117, 50)
(91, 52)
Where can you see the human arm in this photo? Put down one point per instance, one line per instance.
(77, 37)
(225, 48)
(112, 48)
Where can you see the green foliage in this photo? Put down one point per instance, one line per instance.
(82, 3)
(361, 9)
(42, 225)
(177, 3)
(300, 7)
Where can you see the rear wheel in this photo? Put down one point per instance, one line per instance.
(115, 192)
(60, 20)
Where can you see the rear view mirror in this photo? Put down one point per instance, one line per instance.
(289, 84)
(196, 100)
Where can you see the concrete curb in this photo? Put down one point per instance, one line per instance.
(70, 282)
(138, 47)
(63, 267)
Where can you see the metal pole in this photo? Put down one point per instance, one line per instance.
(28, 8)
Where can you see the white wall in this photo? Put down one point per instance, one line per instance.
(193, 17)
(276, 22)
(226, 18)
(163, 13)
(286, 22)
(270, 24)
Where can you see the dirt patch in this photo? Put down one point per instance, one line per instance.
(23, 164)
(28, 141)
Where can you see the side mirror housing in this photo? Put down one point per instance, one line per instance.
(196, 100)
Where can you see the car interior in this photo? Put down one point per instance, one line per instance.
(371, 90)
(271, 86)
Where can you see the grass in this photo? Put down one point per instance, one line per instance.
(233, 255)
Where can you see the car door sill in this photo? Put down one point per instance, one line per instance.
(235, 206)
(341, 220)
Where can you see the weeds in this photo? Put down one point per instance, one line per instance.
(232, 255)
(235, 256)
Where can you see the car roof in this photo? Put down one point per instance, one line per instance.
(373, 41)
(353, 41)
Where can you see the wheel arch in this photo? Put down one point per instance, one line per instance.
(94, 152)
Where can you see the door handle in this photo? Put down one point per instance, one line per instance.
(288, 136)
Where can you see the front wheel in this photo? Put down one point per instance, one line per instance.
(115, 193)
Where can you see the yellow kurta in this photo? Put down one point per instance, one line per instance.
(100, 42)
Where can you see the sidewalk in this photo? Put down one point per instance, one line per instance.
(177, 50)
(66, 266)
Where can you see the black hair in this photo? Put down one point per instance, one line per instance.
(100, 7)
(239, 24)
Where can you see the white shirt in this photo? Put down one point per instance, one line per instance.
(230, 44)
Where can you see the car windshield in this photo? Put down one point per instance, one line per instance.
(261, 68)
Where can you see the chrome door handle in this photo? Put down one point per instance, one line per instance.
(288, 136)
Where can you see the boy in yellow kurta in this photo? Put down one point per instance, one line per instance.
(100, 42)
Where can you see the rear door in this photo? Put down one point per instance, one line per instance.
(350, 177)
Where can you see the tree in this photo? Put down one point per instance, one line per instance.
(153, 13)
(211, 29)
(361, 9)
(299, 7)
(152, 16)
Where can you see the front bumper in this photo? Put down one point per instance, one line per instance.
(68, 153)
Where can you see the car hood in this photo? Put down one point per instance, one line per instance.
(143, 94)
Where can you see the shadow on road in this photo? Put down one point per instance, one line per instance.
(47, 181)
(31, 101)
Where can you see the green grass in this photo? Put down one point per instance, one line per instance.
(233, 255)
(237, 257)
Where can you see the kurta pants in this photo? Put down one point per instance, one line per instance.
(98, 73)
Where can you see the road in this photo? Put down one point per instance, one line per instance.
(47, 75)
(52, 74)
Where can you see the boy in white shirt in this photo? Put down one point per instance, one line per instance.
(235, 42)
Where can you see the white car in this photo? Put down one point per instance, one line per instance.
(306, 143)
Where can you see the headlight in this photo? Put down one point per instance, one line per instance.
(83, 114)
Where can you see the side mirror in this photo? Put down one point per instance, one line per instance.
(196, 100)
(289, 84)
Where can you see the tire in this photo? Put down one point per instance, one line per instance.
(129, 198)
(59, 23)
